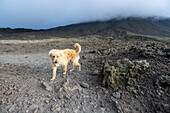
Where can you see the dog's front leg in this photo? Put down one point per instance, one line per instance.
(54, 72)
(65, 69)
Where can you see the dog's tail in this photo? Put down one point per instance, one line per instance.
(78, 46)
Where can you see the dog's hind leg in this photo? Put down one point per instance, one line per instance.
(72, 67)
(79, 66)
(54, 72)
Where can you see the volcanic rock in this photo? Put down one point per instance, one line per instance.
(123, 72)
(47, 86)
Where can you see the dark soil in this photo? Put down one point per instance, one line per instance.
(26, 70)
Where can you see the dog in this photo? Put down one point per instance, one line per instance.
(62, 57)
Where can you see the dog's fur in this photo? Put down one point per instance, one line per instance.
(62, 57)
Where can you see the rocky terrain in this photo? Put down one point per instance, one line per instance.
(26, 70)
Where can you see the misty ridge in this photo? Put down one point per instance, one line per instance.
(156, 26)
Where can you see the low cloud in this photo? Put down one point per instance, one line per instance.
(43, 14)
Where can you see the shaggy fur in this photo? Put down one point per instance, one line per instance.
(62, 57)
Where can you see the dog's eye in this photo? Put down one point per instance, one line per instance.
(57, 56)
(53, 56)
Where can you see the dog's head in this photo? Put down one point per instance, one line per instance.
(55, 55)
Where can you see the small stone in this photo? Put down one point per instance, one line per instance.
(58, 109)
(36, 111)
(9, 92)
(46, 101)
(15, 88)
(165, 105)
(106, 92)
(75, 110)
(20, 89)
(47, 86)
(70, 86)
(11, 108)
(135, 91)
(102, 104)
(127, 110)
(60, 96)
(164, 80)
(54, 99)
(10, 88)
(142, 92)
(96, 72)
(67, 96)
(84, 85)
(26, 95)
(48, 95)
(65, 105)
(168, 55)
(116, 95)
(167, 50)
(34, 106)
(84, 57)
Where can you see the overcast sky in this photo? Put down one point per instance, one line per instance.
(43, 14)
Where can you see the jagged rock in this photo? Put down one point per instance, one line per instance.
(84, 85)
(47, 86)
(108, 79)
(108, 51)
(70, 86)
(141, 65)
(164, 80)
(151, 50)
(94, 52)
(123, 71)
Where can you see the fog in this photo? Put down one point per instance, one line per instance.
(44, 14)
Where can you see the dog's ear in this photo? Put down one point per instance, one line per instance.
(50, 53)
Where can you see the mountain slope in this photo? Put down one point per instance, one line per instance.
(148, 26)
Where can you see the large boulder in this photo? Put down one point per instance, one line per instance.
(123, 72)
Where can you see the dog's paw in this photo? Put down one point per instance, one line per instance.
(64, 73)
(52, 79)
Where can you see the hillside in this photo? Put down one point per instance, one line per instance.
(17, 30)
(146, 26)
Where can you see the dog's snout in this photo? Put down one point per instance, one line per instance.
(56, 62)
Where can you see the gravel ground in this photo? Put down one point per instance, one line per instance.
(25, 73)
